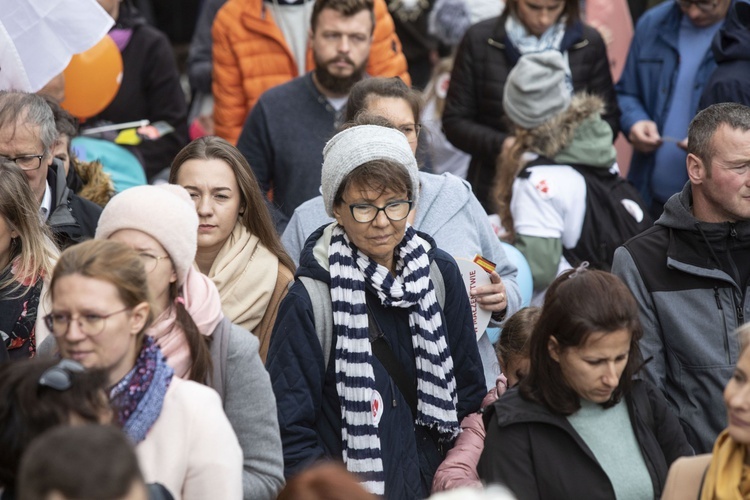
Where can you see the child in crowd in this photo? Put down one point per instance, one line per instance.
(459, 468)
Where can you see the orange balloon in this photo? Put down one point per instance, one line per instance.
(92, 79)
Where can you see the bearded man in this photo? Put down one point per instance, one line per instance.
(284, 135)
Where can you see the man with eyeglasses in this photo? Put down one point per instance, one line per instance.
(669, 63)
(27, 134)
(284, 135)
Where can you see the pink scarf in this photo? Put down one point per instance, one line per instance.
(202, 302)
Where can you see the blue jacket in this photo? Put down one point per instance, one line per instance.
(306, 397)
(645, 89)
(731, 48)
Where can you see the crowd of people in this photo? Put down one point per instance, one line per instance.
(285, 300)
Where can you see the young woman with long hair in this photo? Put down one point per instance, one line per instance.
(238, 247)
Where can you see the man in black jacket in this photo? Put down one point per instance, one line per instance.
(27, 134)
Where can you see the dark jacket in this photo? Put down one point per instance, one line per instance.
(690, 279)
(151, 90)
(72, 219)
(474, 120)
(731, 48)
(538, 454)
(309, 406)
(645, 88)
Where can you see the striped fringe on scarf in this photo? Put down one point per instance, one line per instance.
(355, 379)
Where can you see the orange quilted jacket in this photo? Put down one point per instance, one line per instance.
(250, 56)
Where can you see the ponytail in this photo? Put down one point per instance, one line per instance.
(200, 345)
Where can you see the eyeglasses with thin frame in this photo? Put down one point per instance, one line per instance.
(89, 323)
(411, 131)
(26, 162)
(367, 212)
(150, 261)
(704, 5)
(59, 377)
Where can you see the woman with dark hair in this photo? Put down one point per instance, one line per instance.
(580, 425)
(238, 247)
(474, 116)
(384, 386)
(101, 311)
(38, 395)
(27, 255)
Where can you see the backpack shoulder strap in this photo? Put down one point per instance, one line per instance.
(320, 296)
(437, 281)
(540, 160)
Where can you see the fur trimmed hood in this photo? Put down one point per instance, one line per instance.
(555, 135)
(97, 184)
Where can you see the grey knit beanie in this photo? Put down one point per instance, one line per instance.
(164, 212)
(536, 89)
(356, 146)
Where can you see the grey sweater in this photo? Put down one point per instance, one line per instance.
(283, 140)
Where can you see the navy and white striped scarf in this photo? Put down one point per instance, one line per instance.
(411, 288)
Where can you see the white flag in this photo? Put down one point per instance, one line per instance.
(38, 38)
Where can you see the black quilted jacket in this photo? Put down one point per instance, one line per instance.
(474, 119)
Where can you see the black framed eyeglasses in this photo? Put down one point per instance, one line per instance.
(26, 162)
(58, 377)
(367, 212)
(704, 5)
(89, 324)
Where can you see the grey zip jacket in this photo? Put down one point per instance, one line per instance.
(690, 280)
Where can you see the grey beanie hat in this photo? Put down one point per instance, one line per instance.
(536, 89)
(356, 146)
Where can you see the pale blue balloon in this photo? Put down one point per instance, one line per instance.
(525, 282)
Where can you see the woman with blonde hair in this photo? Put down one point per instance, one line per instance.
(101, 310)
(238, 247)
(27, 255)
(721, 474)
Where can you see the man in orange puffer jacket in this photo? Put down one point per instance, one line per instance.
(251, 55)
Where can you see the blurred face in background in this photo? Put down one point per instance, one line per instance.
(539, 15)
(737, 400)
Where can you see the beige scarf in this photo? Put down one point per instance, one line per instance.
(245, 273)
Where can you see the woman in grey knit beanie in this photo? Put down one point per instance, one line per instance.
(337, 393)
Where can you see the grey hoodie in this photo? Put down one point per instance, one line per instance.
(687, 277)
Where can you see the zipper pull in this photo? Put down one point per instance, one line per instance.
(732, 230)
(716, 296)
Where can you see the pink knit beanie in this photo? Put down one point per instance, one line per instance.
(164, 212)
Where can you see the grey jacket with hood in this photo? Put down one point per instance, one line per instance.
(687, 276)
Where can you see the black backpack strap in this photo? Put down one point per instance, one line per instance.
(540, 160)
(387, 358)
